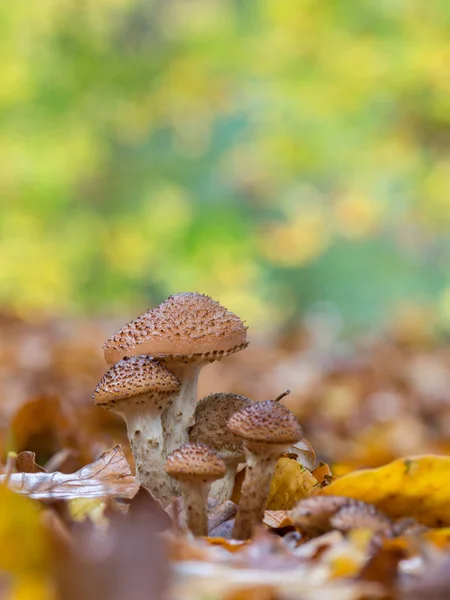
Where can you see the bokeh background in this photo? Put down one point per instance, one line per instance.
(271, 154)
(290, 158)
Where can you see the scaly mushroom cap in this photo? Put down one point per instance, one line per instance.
(188, 326)
(266, 422)
(313, 514)
(132, 377)
(212, 414)
(361, 516)
(195, 463)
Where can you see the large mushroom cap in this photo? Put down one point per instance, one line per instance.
(195, 462)
(188, 325)
(212, 414)
(132, 377)
(266, 422)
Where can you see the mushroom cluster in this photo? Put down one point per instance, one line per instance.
(152, 383)
(182, 447)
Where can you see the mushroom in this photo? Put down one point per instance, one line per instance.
(268, 429)
(195, 466)
(313, 514)
(318, 514)
(211, 417)
(362, 516)
(185, 332)
(139, 389)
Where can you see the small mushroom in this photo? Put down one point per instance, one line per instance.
(313, 514)
(185, 332)
(362, 516)
(318, 514)
(139, 389)
(195, 466)
(268, 429)
(212, 414)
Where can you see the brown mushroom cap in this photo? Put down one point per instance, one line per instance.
(195, 462)
(266, 422)
(187, 325)
(212, 414)
(134, 376)
(361, 516)
(313, 514)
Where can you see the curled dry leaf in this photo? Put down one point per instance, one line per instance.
(26, 463)
(291, 482)
(413, 487)
(277, 519)
(305, 454)
(109, 475)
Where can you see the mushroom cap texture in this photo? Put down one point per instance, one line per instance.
(195, 462)
(266, 422)
(314, 513)
(187, 325)
(133, 376)
(361, 516)
(212, 414)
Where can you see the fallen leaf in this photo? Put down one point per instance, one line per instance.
(290, 483)
(93, 509)
(438, 537)
(26, 463)
(382, 566)
(109, 475)
(323, 474)
(414, 487)
(221, 513)
(254, 592)
(236, 495)
(305, 454)
(276, 519)
(22, 535)
(229, 545)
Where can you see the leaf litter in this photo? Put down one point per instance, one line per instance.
(78, 526)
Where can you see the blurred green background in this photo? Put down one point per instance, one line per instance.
(273, 154)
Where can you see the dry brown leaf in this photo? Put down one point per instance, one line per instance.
(291, 482)
(305, 454)
(276, 519)
(26, 463)
(414, 487)
(109, 475)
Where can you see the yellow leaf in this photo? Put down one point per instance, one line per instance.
(81, 509)
(438, 537)
(22, 536)
(408, 487)
(291, 482)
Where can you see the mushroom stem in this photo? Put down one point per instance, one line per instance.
(255, 489)
(179, 416)
(222, 489)
(195, 497)
(145, 433)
